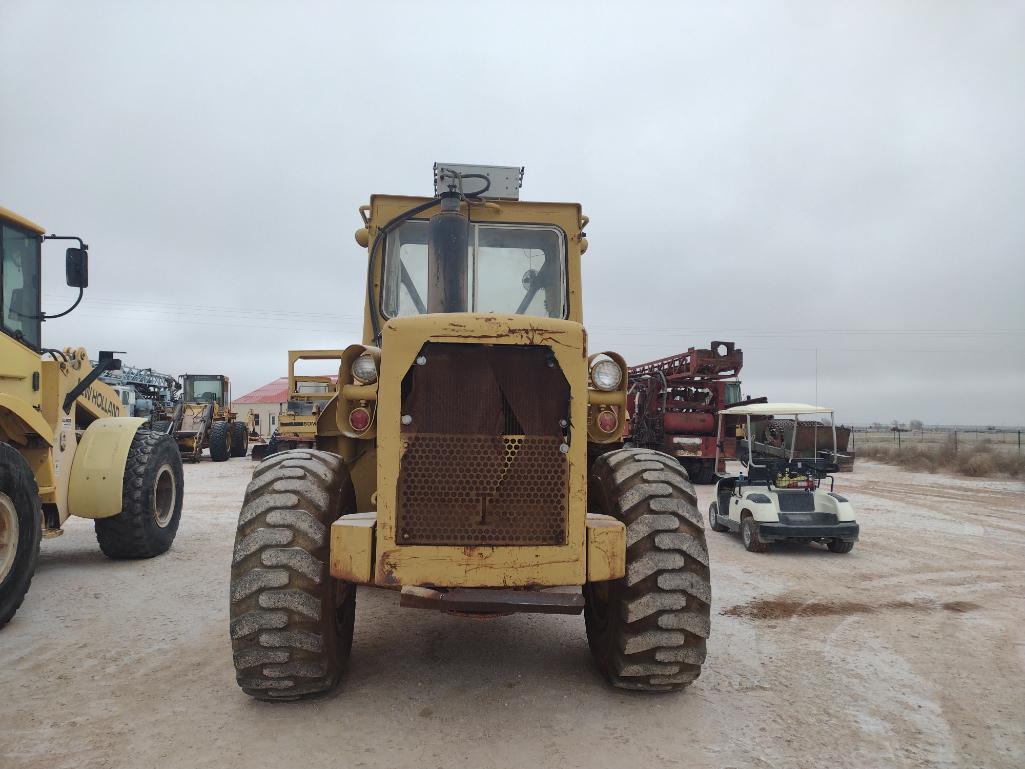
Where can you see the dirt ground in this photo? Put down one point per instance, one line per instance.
(909, 652)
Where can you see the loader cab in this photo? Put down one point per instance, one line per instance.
(206, 388)
(478, 250)
(20, 243)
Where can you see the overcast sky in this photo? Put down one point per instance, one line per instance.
(846, 178)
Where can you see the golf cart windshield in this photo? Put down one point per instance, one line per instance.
(515, 269)
(204, 390)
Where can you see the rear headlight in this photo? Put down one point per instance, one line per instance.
(364, 369)
(606, 375)
(607, 421)
(359, 419)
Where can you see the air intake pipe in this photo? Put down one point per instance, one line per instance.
(448, 257)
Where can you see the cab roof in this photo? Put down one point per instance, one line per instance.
(9, 216)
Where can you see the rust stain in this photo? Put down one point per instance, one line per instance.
(785, 608)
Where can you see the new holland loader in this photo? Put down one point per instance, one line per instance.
(471, 460)
(65, 448)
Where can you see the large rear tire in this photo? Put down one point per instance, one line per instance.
(291, 622)
(239, 439)
(220, 441)
(151, 503)
(20, 530)
(647, 631)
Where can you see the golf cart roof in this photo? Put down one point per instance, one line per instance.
(773, 409)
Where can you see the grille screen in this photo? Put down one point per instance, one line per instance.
(476, 483)
(796, 502)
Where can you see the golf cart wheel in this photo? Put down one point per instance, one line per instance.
(713, 518)
(647, 630)
(20, 530)
(220, 441)
(840, 545)
(239, 439)
(151, 500)
(291, 622)
(749, 535)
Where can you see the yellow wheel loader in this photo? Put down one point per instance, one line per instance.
(307, 397)
(203, 419)
(65, 448)
(471, 460)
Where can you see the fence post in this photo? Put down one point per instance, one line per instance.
(955, 441)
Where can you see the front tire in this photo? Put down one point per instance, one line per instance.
(151, 500)
(713, 518)
(20, 530)
(291, 622)
(239, 439)
(749, 535)
(220, 441)
(647, 630)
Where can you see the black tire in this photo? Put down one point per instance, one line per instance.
(21, 500)
(160, 426)
(151, 506)
(840, 546)
(239, 439)
(713, 518)
(749, 536)
(291, 622)
(273, 443)
(647, 631)
(220, 441)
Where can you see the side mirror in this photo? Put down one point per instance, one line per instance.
(77, 267)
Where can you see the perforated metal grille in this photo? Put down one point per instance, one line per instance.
(482, 490)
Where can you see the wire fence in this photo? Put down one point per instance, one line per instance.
(953, 439)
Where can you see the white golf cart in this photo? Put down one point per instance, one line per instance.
(778, 496)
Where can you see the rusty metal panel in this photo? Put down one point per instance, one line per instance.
(482, 490)
(483, 461)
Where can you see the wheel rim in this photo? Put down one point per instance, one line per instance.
(747, 533)
(711, 515)
(9, 533)
(165, 495)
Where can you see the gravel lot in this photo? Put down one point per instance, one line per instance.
(909, 652)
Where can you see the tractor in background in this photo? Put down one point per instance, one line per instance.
(307, 397)
(673, 403)
(66, 447)
(203, 419)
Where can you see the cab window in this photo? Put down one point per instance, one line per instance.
(19, 284)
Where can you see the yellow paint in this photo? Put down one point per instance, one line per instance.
(352, 547)
(606, 548)
(489, 566)
(97, 474)
(9, 216)
(374, 456)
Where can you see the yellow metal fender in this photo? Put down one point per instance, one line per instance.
(352, 547)
(98, 470)
(606, 548)
(32, 419)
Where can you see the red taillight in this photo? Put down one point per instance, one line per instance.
(608, 421)
(359, 419)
